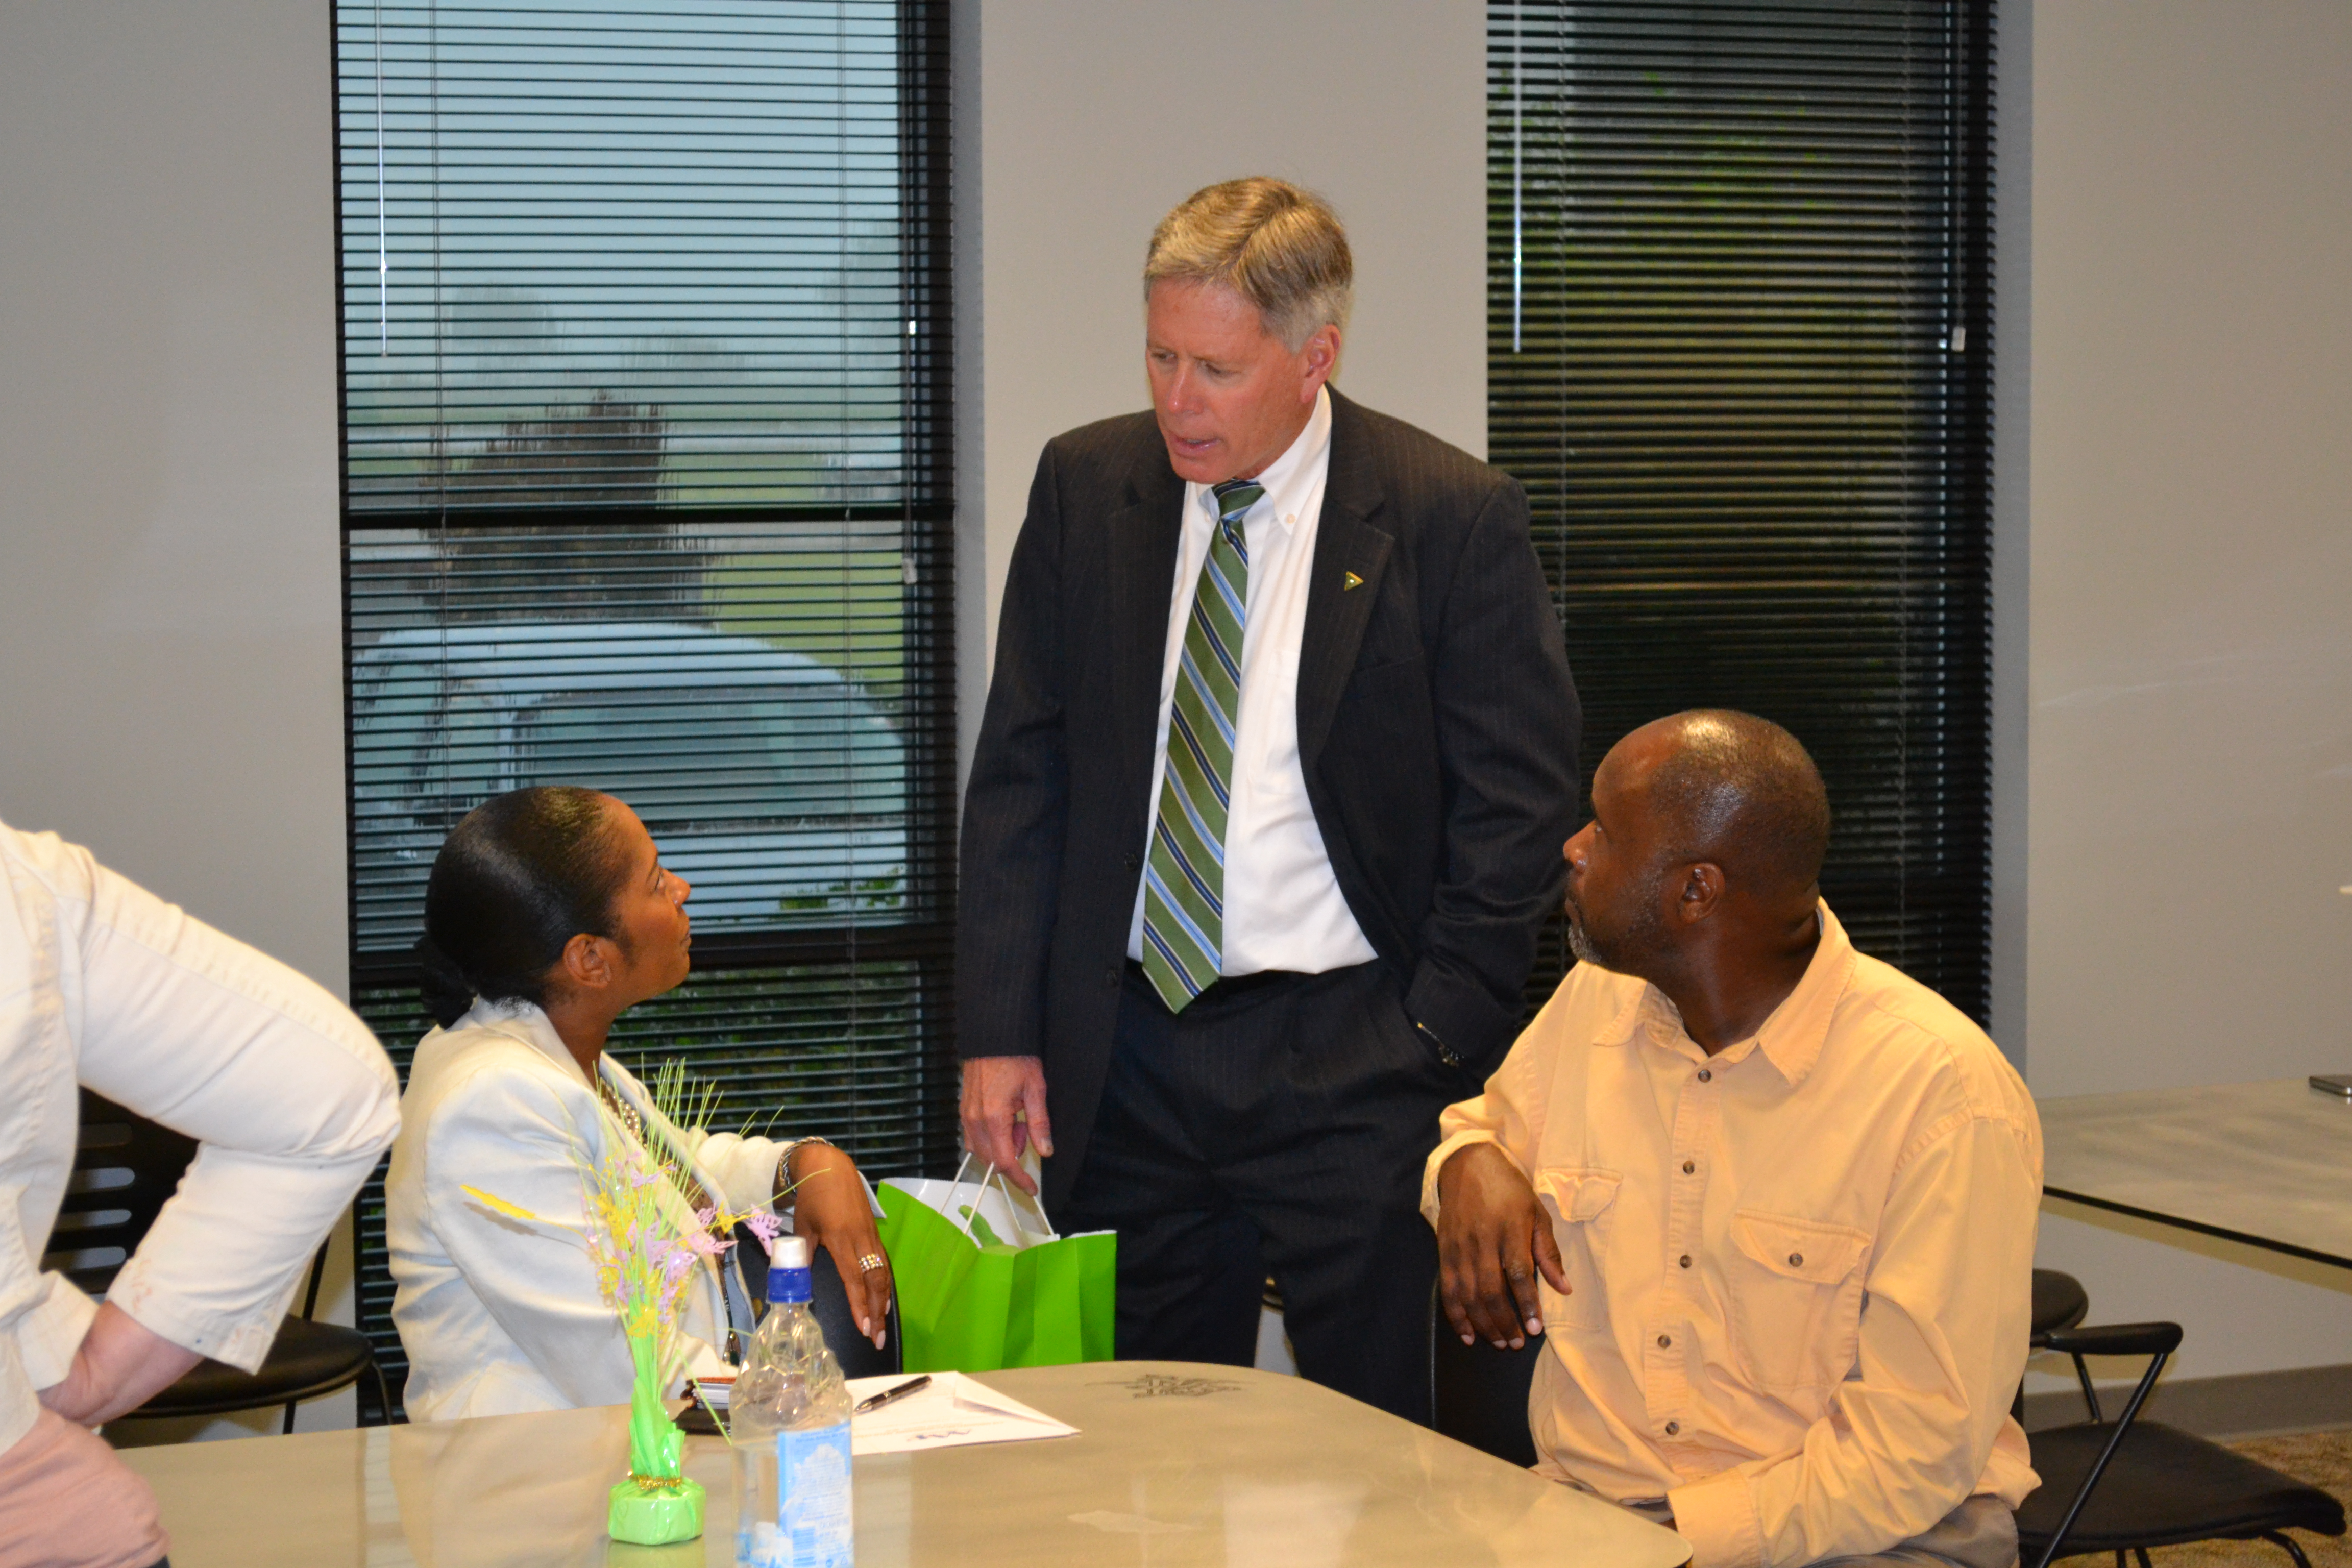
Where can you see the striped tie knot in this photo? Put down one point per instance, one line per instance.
(1235, 498)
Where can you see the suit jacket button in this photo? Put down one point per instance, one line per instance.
(1133, 862)
(1110, 979)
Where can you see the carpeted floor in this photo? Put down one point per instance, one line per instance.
(2322, 1459)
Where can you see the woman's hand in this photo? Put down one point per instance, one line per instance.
(830, 1208)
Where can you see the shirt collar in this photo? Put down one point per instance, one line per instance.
(1791, 1040)
(524, 1021)
(1290, 479)
(1792, 1037)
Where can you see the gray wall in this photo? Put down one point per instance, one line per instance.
(2185, 714)
(1082, 122)
(170, 600)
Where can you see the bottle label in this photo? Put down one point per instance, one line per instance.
(815, 1518)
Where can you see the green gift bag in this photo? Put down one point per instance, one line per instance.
(983, 1281)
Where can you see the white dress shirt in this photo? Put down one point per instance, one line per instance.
(288, 1096)
(500, 1316)
(1284, 908)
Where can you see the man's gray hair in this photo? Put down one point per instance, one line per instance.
(1276, 245)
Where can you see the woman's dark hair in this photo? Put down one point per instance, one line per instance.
(522, 875)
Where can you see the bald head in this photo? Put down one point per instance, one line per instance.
(1738, 791)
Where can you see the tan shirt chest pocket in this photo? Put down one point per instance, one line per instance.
(1582, 1205)
(1796, 1291)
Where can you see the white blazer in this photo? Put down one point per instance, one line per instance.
(104, 984)
(500, 1316)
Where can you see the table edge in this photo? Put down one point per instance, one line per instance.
(2267, 1244)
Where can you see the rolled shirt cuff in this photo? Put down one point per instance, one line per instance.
(1436, 1163)
(1717, 1517)
(241, 1340)
(49, 1336)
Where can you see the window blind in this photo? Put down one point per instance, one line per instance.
(1739, 353)
(645, 349)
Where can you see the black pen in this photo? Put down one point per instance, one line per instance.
(877, 1401)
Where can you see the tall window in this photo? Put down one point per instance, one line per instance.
(646, 489)
(1739, 353)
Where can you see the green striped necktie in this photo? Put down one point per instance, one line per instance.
(1184, 877)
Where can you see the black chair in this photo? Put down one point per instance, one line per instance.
(125, 1167)
(1478, 1394)
(829, 1300)
(2059, 1301)
(2128, 1485)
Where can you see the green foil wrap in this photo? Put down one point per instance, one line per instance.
(657, 1505)
(655, 1516)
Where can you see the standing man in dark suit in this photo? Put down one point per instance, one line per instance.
(1266, 810)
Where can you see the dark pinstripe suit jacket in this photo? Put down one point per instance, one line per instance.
(1437, 730)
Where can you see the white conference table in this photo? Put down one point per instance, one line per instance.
(2269, 1164)
(1174, 1466)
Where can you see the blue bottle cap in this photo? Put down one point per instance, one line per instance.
(788, 1270)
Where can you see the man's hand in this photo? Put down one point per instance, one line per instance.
(121, 1365)
(829, 1207)
(1004, 1112)
(1492, 1237)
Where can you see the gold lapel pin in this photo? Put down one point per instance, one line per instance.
(1352, 581)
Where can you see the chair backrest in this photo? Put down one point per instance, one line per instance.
(125, 1168)
(1478, 1394)
(829, 1300)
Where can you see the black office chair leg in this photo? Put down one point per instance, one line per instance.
(2292, 1551)
(2090, 1391)
(2141, 1552)
(2099, 1467)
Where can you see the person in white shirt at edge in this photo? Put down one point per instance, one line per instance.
(548, 914)
(1772, 1203)
(103, 984)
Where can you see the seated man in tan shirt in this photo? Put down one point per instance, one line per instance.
(1771, 1202)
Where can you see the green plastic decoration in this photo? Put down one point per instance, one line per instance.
(657, 1504)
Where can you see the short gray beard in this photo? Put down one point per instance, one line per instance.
(1646, 939)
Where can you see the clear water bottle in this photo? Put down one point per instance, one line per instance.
(788, 1415)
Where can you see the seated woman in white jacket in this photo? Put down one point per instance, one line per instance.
(548, 914)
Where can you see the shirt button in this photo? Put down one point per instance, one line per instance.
(1686, 1260)
(1672, 1427)
(1689, 1166)
(1796, 1261)
(1666, 1342)
(1705, 1075)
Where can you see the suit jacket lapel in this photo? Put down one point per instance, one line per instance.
(1347, 543)
(1143, 537)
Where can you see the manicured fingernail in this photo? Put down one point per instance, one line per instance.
(1469, 1339)
(1535, 1325)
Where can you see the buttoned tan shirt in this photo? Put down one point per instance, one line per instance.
(1801, 1272)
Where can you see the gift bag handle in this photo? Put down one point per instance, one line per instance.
(972, 1210)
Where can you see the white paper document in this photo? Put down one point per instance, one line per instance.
(953, 1411)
